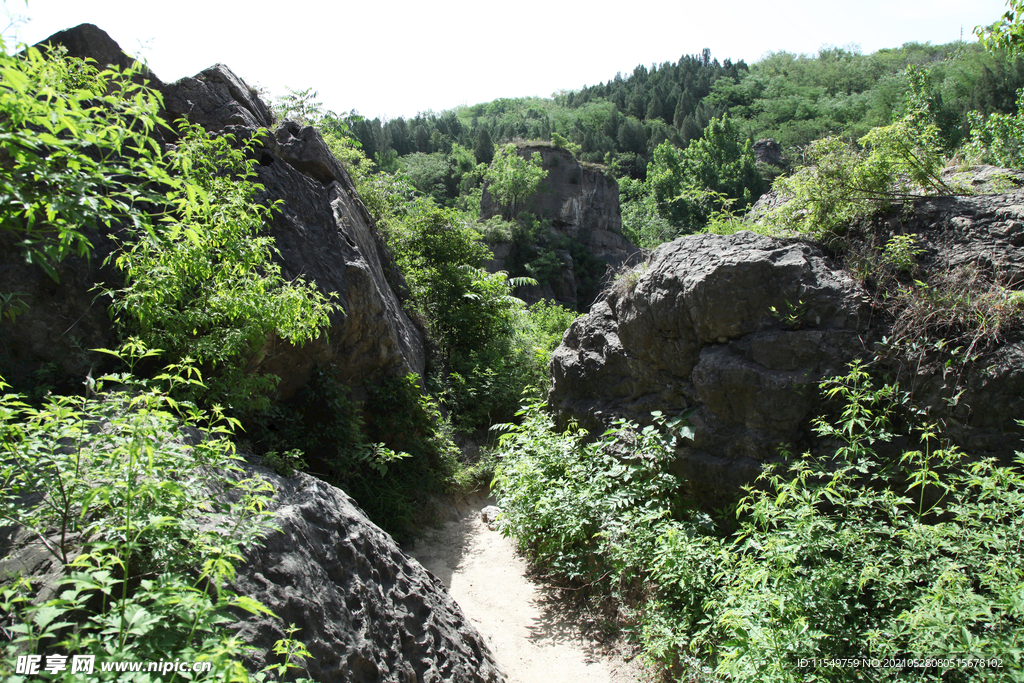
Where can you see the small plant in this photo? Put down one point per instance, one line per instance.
(285, 463)
(901, 252)
(133, 510)
(792, 315)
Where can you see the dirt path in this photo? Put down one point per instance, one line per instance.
(535, 638)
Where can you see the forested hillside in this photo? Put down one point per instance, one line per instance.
(637, 125)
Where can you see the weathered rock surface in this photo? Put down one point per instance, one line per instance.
(697, 331)
(769, 151)
(323, 233)
(366, 611)
(582, 203)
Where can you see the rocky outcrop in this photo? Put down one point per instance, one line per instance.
(365, 610)
(694, 328)
(323, 233)
(581, 202)
(769, 151)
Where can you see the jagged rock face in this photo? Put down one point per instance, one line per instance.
(323, 233)
(366, 611)
(582, 203)
(696, 330)
(980, 234)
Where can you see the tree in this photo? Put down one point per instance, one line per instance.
(511, 177)
(205, 286)
(75, 152)
(1008, 32)
(484, 149)
(718, 167)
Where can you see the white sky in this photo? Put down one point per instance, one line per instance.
(397, 57)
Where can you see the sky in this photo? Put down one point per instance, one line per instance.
(393, 58)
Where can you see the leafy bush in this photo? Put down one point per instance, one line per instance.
(134, 510)
(572, 504)
(842, 184)
(205, 286)
(844, 556)
(75, 152)
(689, 184)
(999, 138)
(511, 178)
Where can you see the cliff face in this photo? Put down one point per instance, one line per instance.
(582, 204)
(323, 233)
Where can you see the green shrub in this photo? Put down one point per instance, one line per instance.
(842, 184)
(132, 508)
(845, 556)
(75, 152)
(999, 138)
(572, 504)
(205, 285)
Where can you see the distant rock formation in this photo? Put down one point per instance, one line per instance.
(323, 233)
(582, 203)
(769, 151)
(694, 329)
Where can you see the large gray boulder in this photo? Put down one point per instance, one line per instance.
(694, 329)
(366, 611)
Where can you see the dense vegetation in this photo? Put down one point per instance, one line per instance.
(845, 565)
(640, 125)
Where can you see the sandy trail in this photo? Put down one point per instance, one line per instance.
(534, 637)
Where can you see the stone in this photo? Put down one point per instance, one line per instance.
(697, 331)
(323, 233)
(490, 516)
(365, 610)
(769, 151)
(694, 330)
(581, 201)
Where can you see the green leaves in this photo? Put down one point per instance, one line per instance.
(689, 185)
(75, 152)
(204, 285)
(138, 520)
(831, 558)
(512, 178)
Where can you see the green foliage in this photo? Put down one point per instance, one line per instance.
(575, 506)
(511, 177)
(134, 511)
(689, 184)
(75, 152)
(999, 138)
(642, 223)
(1007, 32)
(441, 257)
(205, 286)
(838, 556)
(901, 252)
(899, 162)
(401, 419)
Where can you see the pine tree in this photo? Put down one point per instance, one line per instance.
(484, 149)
